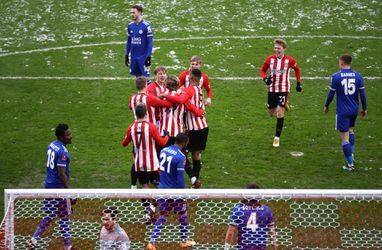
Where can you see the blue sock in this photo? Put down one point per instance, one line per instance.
(348, 152)
(352, 140)
(44, 224)
(65, 231)
(183, 226)
(157, 228)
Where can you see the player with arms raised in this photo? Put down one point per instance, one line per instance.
(172, 164)
(348, 85)
(278, 83)
(253, 221)
(57, 176)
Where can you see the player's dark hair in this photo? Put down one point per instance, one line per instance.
(251, 201)
(140, 110)
(181, 138)
(281, 42)
(160, 68)
(197, 73)
(346, 59)
(60, 129)
(113, 211)
(140, 82)
(172, 83)
(138, 7)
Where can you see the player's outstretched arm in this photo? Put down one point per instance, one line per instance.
(156, 102)
(155, 134)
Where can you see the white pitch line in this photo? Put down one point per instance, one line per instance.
(193, 38)
(110, 78)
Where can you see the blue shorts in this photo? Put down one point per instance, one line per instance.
(57, 207)
(137, 67)
(344, 122)
(165, 206)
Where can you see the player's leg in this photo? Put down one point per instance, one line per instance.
(197, 144)
(352, 135)
(280, 118)
(272, 104)
(51, 211)
(343, 123)
(64, 211)
(181, 209)
(134, 177)
(144, 179)
(164, 206)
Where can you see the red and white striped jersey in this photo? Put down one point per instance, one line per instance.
(184, 80)
(144, 135)
(279, 71)
(195, 96)
(155, 89)
(171, 118)
(192, 121)
(151, 102)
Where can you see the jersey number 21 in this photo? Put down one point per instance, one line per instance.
(163, 159)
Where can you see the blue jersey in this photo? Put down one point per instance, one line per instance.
(348, 86)
(57, 156)
(139, 40)
(252, 223)
(172, 163)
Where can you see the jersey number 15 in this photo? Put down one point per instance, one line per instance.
(349, 86)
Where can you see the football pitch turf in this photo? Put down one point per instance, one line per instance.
(63, 61)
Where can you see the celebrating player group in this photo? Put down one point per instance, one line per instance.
(170, 121)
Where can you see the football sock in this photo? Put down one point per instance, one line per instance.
(279, 126)
(352, 140)
(157, 228)
(183, 226)
(188, 168)
(346, 148)
(65, 231)
(44, 224)
(134, 176)
(196, 164)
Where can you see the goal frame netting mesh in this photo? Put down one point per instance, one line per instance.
(304, 218)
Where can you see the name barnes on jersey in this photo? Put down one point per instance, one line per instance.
(347, 74)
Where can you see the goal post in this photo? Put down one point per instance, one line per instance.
(304, 218)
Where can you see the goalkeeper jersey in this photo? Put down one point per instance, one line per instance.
(114, 240)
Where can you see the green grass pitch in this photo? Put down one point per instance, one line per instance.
(41, 39)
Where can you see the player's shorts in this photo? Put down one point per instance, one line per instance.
(146, 177)
(197, 140)
(277, 99)
(57, 207)
(165, 206)
(137, 67)
(344, 122)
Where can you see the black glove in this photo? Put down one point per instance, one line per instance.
(127, 62)
(166, 133)
(298, 87)
(267, 80)
(148, 61)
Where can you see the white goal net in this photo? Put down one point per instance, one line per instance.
(304, 219)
